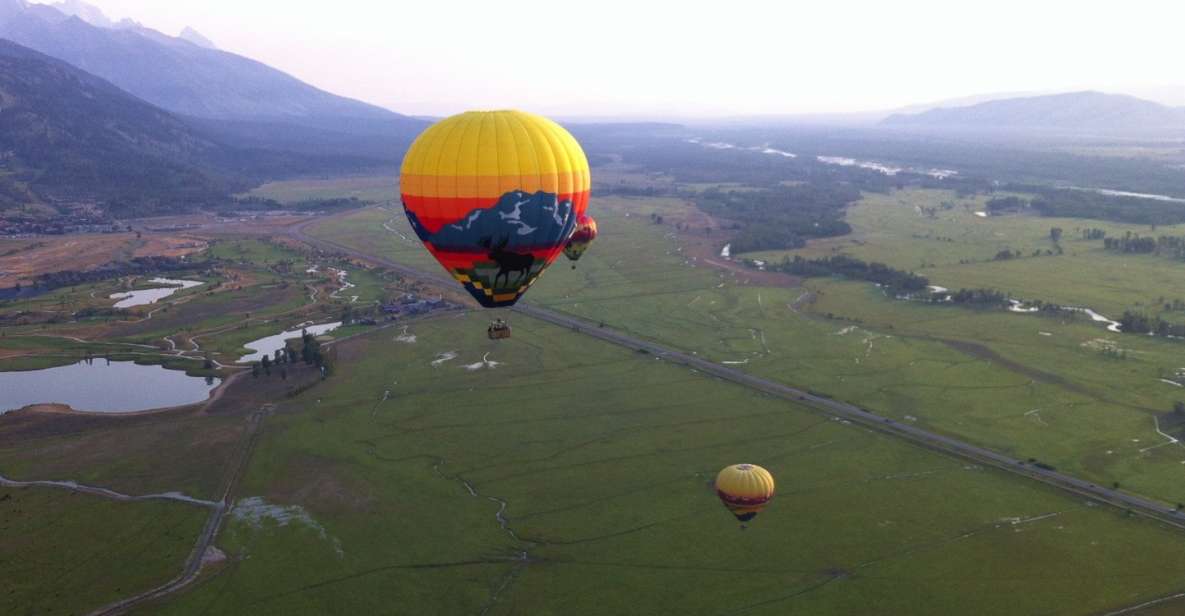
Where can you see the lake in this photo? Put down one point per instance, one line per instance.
(154, 295)
(99, 386)
(269, 345)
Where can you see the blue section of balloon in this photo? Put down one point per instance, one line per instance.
(519, 221)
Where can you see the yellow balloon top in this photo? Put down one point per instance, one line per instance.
(747, 483)
(485, 154)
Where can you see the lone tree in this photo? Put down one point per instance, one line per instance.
(1055, 234)
(1179, 408)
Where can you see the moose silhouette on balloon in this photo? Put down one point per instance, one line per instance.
(508, 262)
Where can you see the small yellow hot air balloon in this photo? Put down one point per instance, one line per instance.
(745, 489)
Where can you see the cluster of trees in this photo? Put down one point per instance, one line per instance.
(260, 204)
(96, 312)
(1001, 205)
(1093, 234)
(1070, 203)
(1176, 305)
(625, 190)
(781, 217)
(979, 297)
(1164, 245)
(897, 281)
(115, 269)
(694, 163)
(1140, 323)
(310, 353)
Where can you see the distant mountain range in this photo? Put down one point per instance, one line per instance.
(1075, 112)
(186, 75)
(69, 138)
(139, 122)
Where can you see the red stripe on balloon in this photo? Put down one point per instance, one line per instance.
(436, 212)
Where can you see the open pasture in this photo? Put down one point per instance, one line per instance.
(977, 375)
(67, 553)
(554, 474)
(955, 248)
(379, 187)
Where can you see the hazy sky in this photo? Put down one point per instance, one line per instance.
(689, 57)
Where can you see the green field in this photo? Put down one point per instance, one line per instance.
(1095, 415)
(66, 553)
(184, 453)
(379, 188)
(575, 477)
(892, 230)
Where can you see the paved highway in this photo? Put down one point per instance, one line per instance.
(925, 438)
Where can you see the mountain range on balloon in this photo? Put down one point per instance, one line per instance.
(495, 196)
(520, 221)
(497, 252)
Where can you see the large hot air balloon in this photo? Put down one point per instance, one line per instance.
(585, 233)
(494, 196)
(745, 489)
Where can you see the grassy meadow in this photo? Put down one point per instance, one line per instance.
(380, 188)
(955, 249)
(70, 553)
(989, 377)
(552, 474)
(439, 472)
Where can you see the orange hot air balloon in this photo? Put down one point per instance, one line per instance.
(585, 233)
(494, 196)
(745, 489)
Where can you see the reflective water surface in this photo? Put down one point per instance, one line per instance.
(115, 387)
(269, 345)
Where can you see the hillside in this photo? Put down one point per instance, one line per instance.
(1072, 112)
(71, 136)
(189, 78)
(68, 137)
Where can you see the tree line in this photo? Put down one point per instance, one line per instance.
(1170, 246)
(116, 269)
(782, 217)
(1140, 323)
(897, 281)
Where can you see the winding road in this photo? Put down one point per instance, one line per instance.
(1151, 508)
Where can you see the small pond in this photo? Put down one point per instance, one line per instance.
(269, 345)
(154, 295)
(101, 386)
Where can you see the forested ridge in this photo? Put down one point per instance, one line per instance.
(67, 137)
